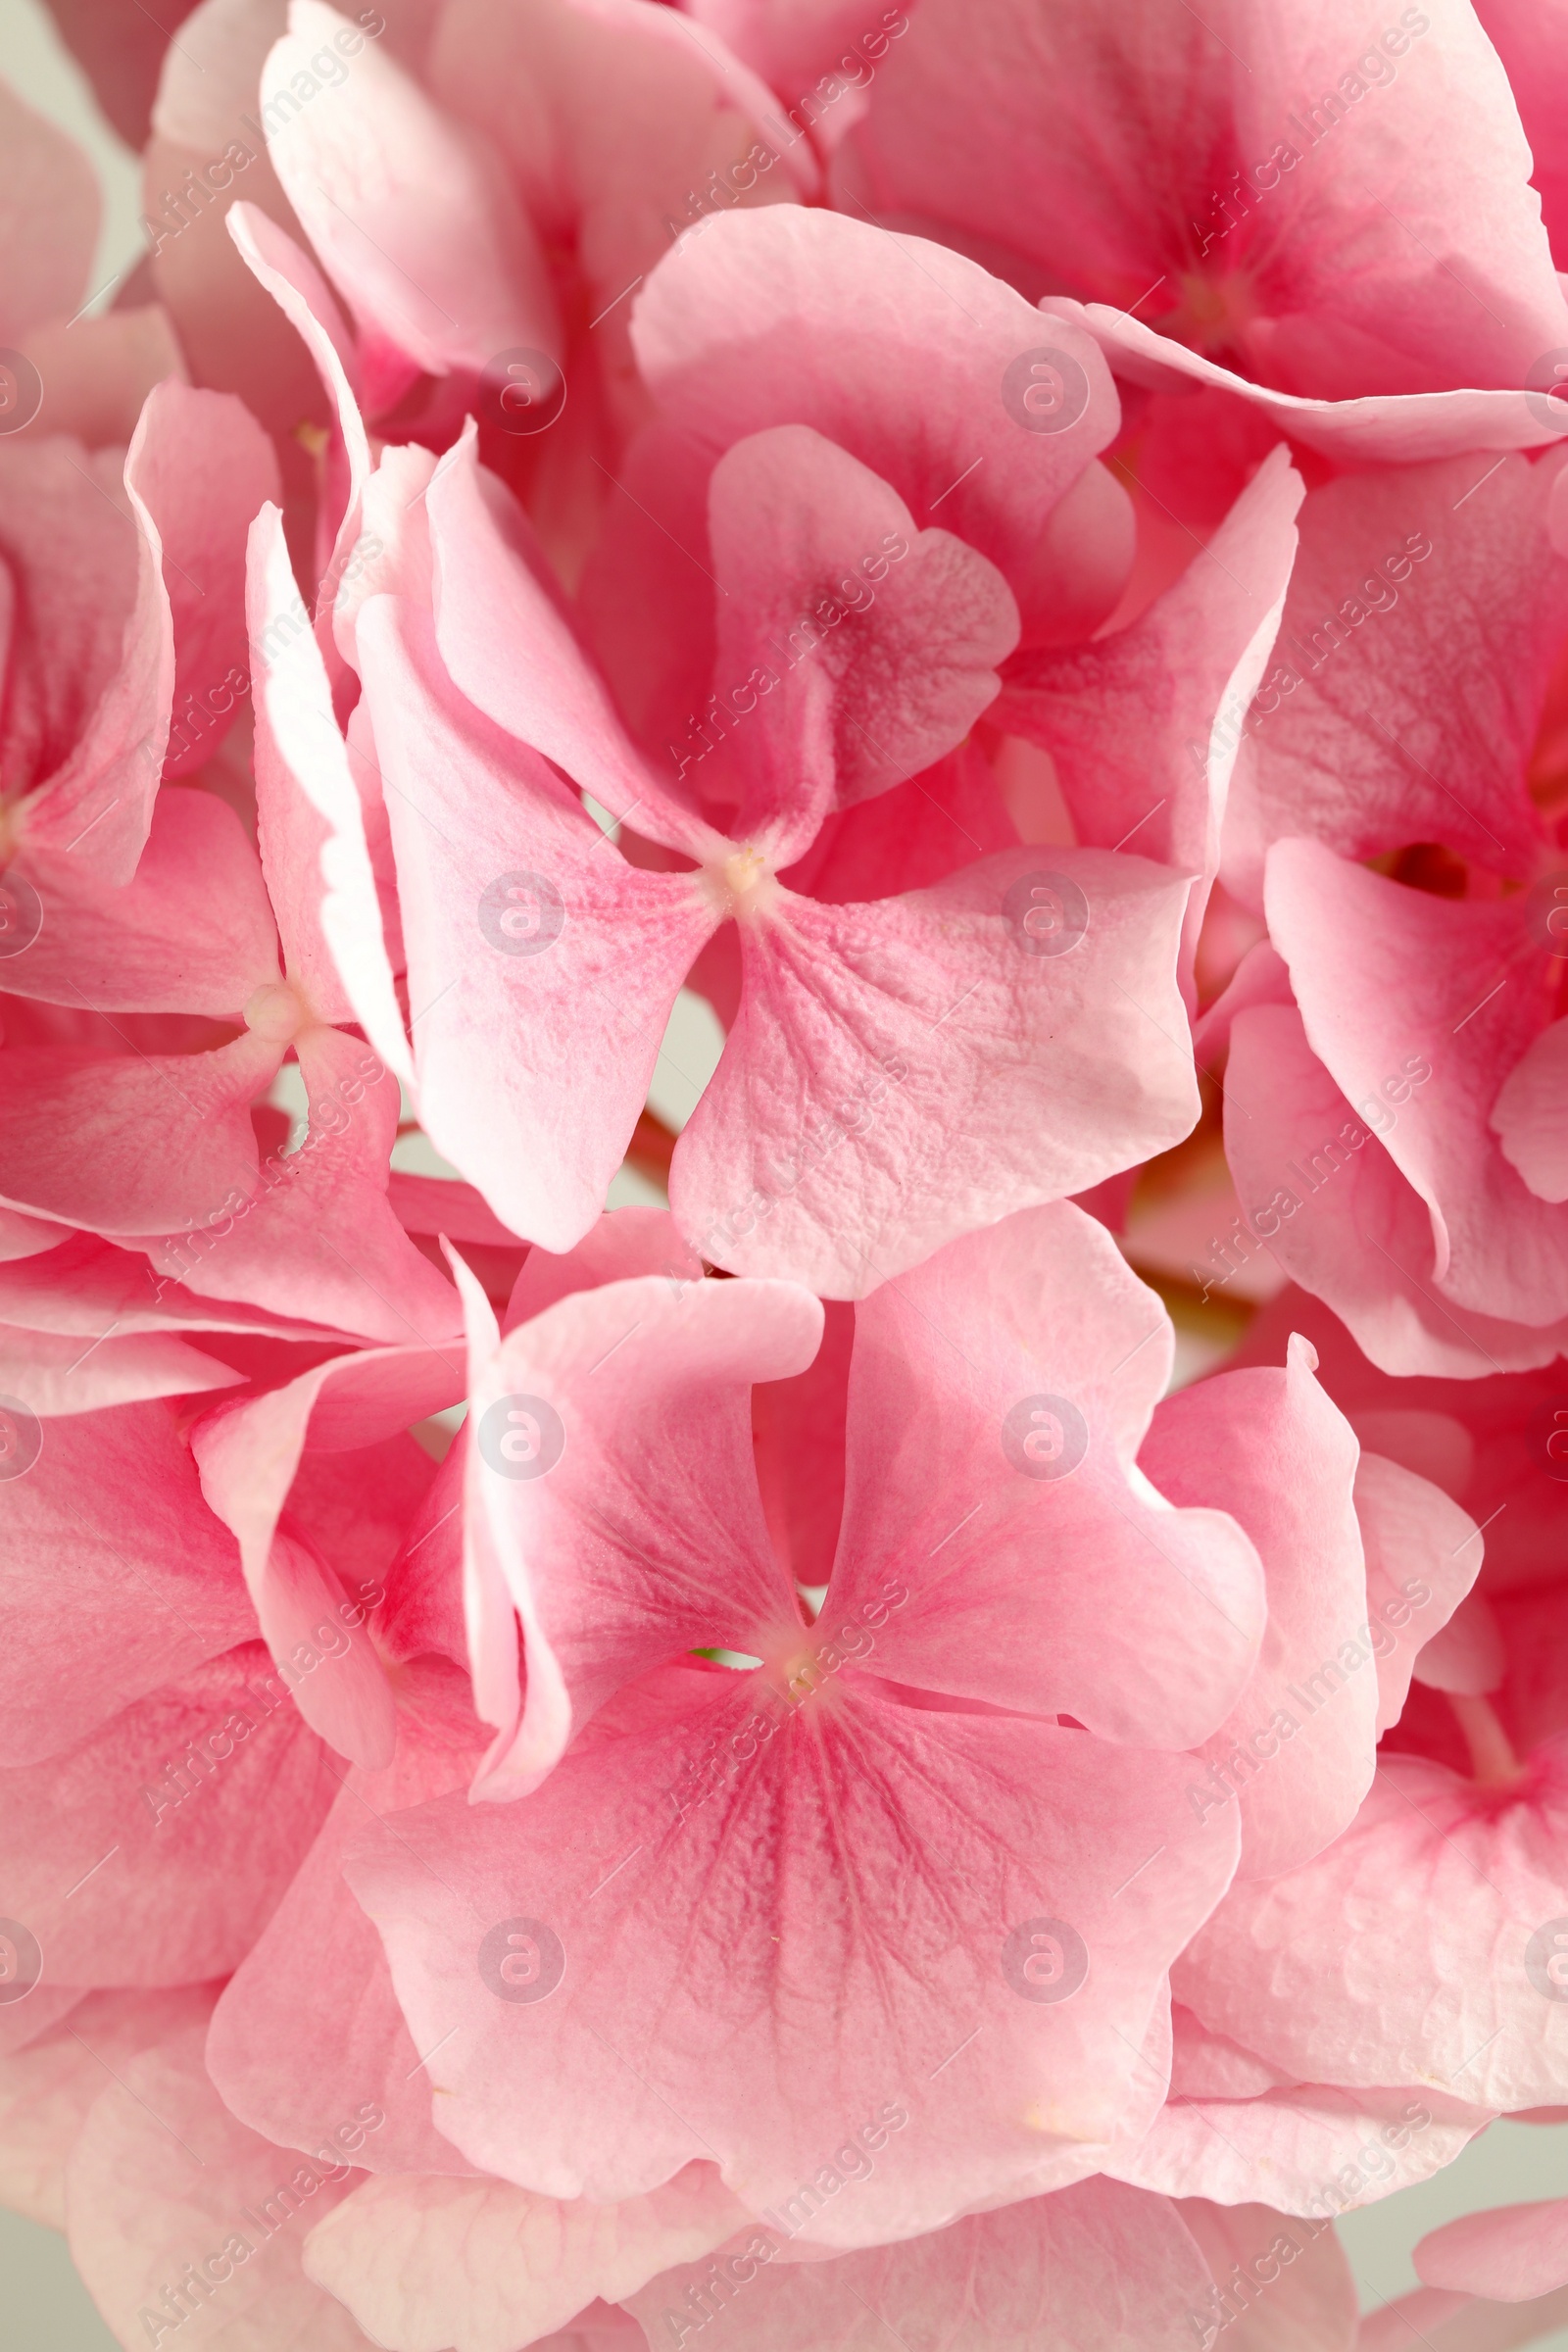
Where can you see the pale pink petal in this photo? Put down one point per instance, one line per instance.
(1102, 148)
(308, 2026)
(1319, 1189)
(47, 2088)
(1092, 2266)
(308, 785)
(1307, 2149)
(802, 1421)
(58, 1373)
(1205, 2065)
(623, 1244)
(198, 469)
(794, 316)
(510, 645)
(437, 1205)
(86, 1288)
(164, 2179)
(909, 837)
(1388, 428)
(1469, 1655)
(1297, 2293)
(90, 657)
(1439, 2322)
(904, 1071)
(1512, 2253)
(316, 1236)
(619, 125)
(1404, 1953)
(797, 45)
(1394, 984)
(1453, 2322)
(1272, 1450)
(410, 214)
(1423, 1554)
(304, 296)
(1423, 614)
(1529, 1118)
(519, 918)
(483, 2267)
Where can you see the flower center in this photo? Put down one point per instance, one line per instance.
(744, 884)
(277, 1013)
(1216, 311)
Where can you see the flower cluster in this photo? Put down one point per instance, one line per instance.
(930, 1703)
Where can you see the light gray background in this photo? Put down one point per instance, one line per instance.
(43, 2305)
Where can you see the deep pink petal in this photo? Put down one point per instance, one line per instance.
(576, 1414)
(249, 1457)
(190, 932)
(997, 1398)
(1319, 1190)
(1425, 611)
(1145, 726)
(76, 1132)
(826, 585)
(757, 2023)
(154, 1589)
(153, 1850)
